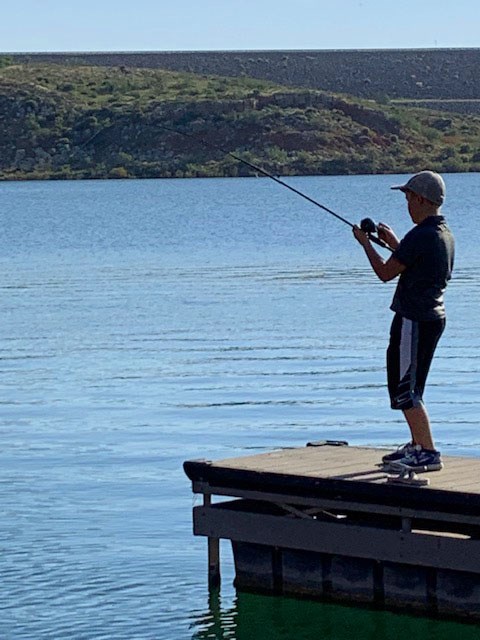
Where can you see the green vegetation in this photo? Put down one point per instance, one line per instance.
(5, 61)
(61, 121)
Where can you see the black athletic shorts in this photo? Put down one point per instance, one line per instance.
(409, 356)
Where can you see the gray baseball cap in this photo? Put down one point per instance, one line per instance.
(428, 184)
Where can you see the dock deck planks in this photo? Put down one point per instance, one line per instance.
(349, 464)
(347, 471)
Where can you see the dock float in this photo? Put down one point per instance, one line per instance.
(323, 522)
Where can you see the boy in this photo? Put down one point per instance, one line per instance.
(424, 262)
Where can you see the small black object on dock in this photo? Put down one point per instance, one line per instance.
(323, 521)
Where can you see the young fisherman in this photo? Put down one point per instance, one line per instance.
(424, 262)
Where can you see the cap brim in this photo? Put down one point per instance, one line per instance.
(400, 187)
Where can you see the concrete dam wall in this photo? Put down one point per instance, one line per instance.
(413, 74)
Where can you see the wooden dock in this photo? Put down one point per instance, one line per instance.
(323, 522)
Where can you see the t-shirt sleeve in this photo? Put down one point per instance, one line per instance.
(408, 250)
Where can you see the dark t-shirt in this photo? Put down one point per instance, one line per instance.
(427, 251)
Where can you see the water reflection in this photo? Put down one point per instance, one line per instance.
(259, 617)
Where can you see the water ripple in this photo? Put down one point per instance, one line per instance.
(146, 322)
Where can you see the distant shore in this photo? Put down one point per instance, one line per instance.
(68, 120)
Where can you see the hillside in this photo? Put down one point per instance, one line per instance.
(62, 121)
(450, 76)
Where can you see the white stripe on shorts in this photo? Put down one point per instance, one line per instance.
(406, 346)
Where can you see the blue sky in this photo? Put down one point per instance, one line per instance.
(172, 25)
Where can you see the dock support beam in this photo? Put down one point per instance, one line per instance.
(213, 554)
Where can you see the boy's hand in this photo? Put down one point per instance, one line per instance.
(360, 235)
(386, 234)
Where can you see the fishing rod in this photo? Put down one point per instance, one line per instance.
(367, 224)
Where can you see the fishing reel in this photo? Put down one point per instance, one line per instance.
(371, 229)
(368, 226)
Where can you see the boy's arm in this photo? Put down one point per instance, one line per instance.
(385, 270)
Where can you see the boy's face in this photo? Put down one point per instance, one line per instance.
(414, 203)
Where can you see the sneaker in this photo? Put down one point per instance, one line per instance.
(400, 453)
(419, 460)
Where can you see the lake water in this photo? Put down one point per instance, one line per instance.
(149, 322)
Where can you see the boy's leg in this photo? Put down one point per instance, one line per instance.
(409, 356)
(417, 417)
(419, 423)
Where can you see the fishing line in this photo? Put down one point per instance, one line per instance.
(367, 225)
